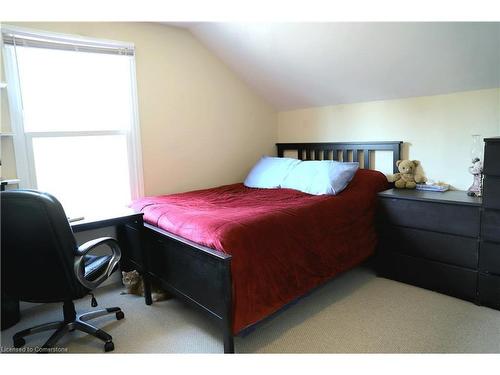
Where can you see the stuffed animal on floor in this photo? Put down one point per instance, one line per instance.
(407, 178)
(132, 280)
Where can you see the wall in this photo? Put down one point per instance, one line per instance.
(436, 129)
(201, 126)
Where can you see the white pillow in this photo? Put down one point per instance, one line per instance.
(320, 176)
(269, 172)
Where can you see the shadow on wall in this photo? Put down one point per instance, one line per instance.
(405, 155)
(405, 150)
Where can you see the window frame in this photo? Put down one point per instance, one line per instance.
(23, 141)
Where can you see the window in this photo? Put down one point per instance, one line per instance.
(73, 109)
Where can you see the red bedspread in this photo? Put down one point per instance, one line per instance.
(283, 242)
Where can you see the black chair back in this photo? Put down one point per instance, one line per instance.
(38, 248)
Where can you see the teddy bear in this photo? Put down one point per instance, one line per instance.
(407, 178)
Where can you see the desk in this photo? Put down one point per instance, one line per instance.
(4, 183)
(129, 226)
(106, 219)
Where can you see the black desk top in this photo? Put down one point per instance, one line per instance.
(450, 196)
(105, 219)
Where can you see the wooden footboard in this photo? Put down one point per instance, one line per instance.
(195, 274)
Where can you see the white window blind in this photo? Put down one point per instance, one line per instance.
(40, 39)
(75, 108)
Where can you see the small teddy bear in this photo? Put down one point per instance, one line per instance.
(407, 178)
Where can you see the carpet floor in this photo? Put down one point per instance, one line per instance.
(356, 312)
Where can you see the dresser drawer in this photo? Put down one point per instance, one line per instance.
(489, 290)
(455, 281)
(489, 257)
(447, 248)
(491, 225)
(491, 192)
(492, 158)
(440, 217)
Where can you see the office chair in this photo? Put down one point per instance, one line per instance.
(42, 263)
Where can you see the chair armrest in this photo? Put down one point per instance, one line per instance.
(84, 249)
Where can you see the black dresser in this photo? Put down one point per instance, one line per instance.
(489, 248)
(430, 240)
(447, 242)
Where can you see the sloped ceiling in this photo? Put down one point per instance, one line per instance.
(297, 65)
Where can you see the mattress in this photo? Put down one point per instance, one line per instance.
(283, 242)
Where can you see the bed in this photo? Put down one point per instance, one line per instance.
(242, 254)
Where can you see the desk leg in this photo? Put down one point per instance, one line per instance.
(147, 288)
(146, 278)
(134, 254)
(228, 341)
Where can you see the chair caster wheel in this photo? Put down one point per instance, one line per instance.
(19, 343)
(120, 315)
(109, 346)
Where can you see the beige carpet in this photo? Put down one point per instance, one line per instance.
(354, 313)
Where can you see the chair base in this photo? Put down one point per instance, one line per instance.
(75, 322)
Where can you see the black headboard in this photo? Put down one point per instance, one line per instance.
(341, 151)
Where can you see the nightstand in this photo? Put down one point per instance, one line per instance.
(430, 239)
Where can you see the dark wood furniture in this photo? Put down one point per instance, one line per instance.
(447, 242)
(351, 151)
(108, 218)
(129, 229)
(201, 276)
(430, 239)
(10, 312)
(4, 183)
(488, 292)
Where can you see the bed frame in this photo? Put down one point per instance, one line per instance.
(201, 276)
